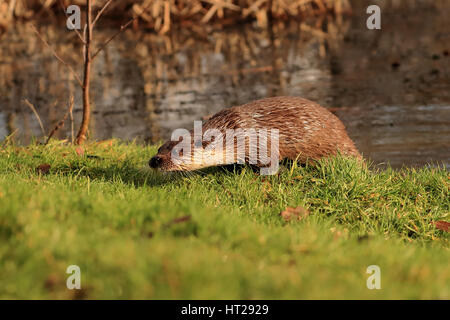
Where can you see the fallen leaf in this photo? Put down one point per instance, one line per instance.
(79, 151)
(43, 168)
(177, 220)
(51, 282)
(442, 225)
(297, 213)
(181, 219)
(337, 235)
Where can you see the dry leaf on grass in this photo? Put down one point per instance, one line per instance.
(442, 225)
(298, 213)
(79, 151)
(43, 168)
(177, 220)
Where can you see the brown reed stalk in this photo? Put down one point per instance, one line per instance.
(31, 106)
(164, 13)
(71, 126)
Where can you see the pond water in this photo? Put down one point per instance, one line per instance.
(391, 87)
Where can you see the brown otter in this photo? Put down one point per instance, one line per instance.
(304, 130)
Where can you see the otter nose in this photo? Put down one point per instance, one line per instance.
(155, 162)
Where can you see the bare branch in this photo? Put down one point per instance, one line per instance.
(81, 135)
(122, 27)
(71, 123)
(101, 12)
(57, 56)
(84, 47)
(103, 46)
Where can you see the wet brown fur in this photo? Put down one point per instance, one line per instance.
(307, 131)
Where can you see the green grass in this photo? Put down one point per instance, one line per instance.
(216, 235)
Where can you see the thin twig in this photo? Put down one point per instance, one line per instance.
(9, 138)
(122, 27)
(84, 37)
(60, 123)
(71, 123)
(101, 12)
(57, 56)
(103, 46)
(28, 103)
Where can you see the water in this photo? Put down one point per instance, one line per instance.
(389, 87)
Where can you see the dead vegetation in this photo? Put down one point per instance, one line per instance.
(162, 14)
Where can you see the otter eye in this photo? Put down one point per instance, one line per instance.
(162, 148)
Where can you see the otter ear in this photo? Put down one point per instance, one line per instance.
(162, 148)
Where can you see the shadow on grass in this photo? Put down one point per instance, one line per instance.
(128, 174)
(138, 177)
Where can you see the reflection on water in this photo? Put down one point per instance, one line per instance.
(390, 87)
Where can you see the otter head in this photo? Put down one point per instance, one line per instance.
(186, 155)
(163, 159)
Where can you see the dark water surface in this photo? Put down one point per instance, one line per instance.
(390, 87)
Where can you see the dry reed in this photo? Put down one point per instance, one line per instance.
(165, 13)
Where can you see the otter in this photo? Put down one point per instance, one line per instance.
(304, 131)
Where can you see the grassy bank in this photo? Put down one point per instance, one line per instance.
(138, 234)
